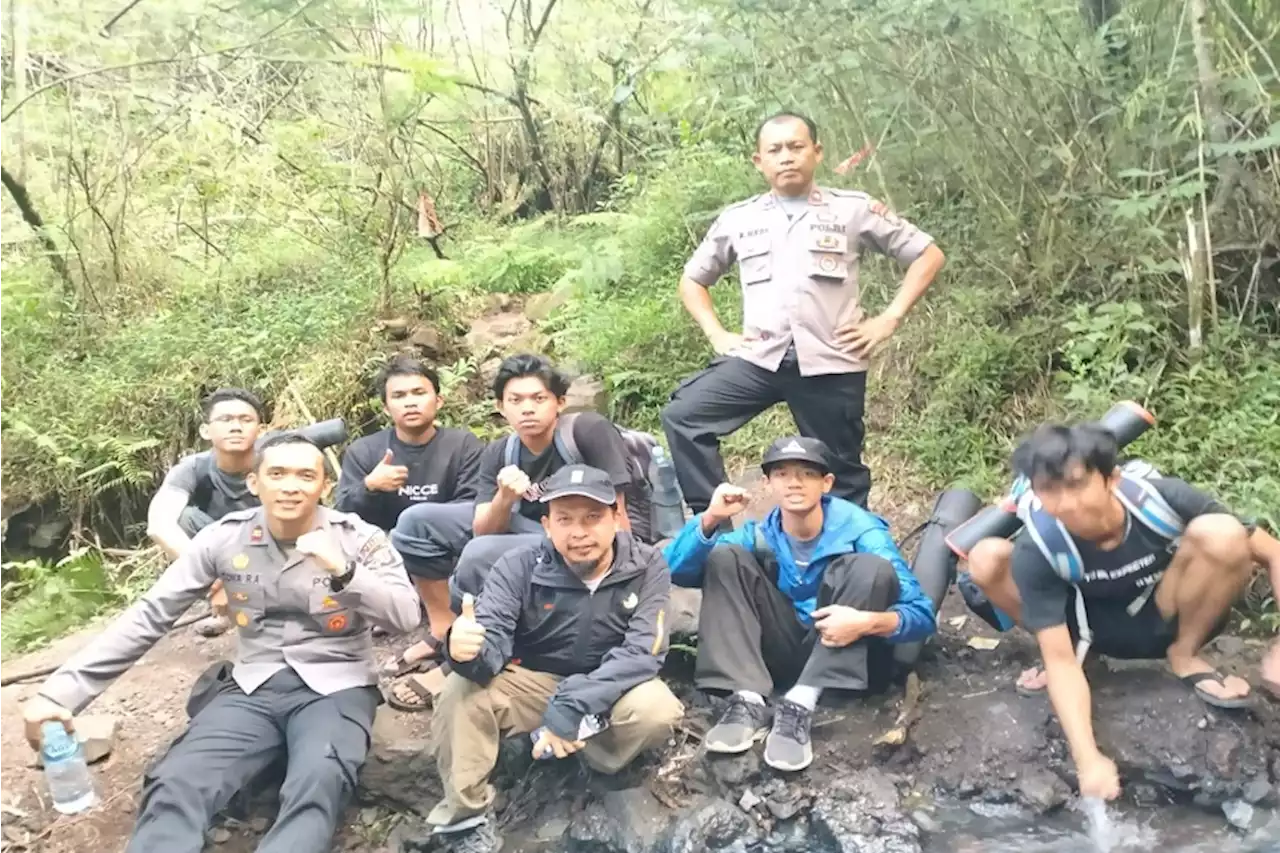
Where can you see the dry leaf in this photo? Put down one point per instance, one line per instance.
(986, 644)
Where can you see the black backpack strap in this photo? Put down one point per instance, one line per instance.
(566, 444)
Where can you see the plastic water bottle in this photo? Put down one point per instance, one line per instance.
(591, 725)
(668, 503)
(70, 783)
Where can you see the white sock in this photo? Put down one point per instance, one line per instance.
(753, 698)
(806, 697)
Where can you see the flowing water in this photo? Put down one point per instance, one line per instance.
(1089, 827)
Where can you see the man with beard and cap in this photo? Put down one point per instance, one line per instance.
(811, 597)
(584, 613)
(205, 486)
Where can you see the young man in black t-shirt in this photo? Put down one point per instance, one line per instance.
(412, 461)
(1138, 594)
(454, 547)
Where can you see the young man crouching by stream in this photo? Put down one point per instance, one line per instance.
(1143, 567)
(584, 612)
(812, 596)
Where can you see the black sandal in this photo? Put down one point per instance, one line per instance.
(1194, 681)
(424, 694)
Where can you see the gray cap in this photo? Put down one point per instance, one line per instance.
(796, 448)
(580, 480)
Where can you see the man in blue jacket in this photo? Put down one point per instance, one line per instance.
(810, 596)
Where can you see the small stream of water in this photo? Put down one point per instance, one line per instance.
(1092, 829)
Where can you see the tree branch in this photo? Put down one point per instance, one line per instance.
(106, 28)
(32, 217)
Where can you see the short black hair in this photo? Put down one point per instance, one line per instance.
(808, 122)
(1048, 452)
(222, 395)
(279, 439)
(405, 365)
(527, 364)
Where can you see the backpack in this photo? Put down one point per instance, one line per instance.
(1141, 500)
(639, 453)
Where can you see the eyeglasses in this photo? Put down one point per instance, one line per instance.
(246, 420)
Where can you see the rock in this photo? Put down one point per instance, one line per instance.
(1257, 791)
(734, 770)
(861, 813)
(553, 829)
(396, 328)
(1042, 790)
(49, 534)
(496, 334)
(1229, 645)
(586, 394)
(220, 835)
(925, 821)
(260, 825)
(686, 604)
(400, 773)
(629, 821)
(787, 804)
(711, 824)
(489, 371)
(1223, 756)
(1238, 813)
(540, 306)
(749, 800)
(427, 340)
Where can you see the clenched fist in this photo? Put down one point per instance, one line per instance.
(513, 483)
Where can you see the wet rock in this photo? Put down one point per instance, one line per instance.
(734, 770)
(586, 394)
(786, 804)
(685, 606)
(925, 821)
(749, 800)
(220, 835)
(1042, 790)
(427, 341)
(496, 334)
(629, 821)
(861, 813)
(711, 824)
(1257, 792)
(1238, 813)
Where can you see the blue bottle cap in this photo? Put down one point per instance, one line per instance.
(56, 742)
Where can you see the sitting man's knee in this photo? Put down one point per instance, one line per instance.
(1219, 538)
(990, 561)
(730, 560)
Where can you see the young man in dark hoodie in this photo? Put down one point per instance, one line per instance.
(584, 611)
(810, 597)
(452, 548)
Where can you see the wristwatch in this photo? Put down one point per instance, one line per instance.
(337, 583)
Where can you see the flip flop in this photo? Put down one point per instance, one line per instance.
(399, 665)
(1194, 681)
(425, 693)
(1031, 692)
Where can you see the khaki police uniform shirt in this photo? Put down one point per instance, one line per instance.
(800, 276)
(283, 606)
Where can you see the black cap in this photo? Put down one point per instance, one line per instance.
(580, 480)
(795, 448)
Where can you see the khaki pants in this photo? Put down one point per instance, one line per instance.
(469, 721)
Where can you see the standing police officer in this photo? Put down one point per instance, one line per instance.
(806, 341)
(305, 584)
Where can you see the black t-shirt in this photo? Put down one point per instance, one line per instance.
(211, 489)
(1112, 577)
(599, 443)
(443, 470)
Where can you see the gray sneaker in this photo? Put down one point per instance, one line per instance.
(483, 839)
(741, 725)
(788, 746)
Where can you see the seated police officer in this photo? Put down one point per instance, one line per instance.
(305, 584)
(443, 541)
(812, 596)
(584, 612)
(205, 486)
(1118, 563)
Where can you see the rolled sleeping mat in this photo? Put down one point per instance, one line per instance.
(323, 433)
(935, 563)
(1125, 420)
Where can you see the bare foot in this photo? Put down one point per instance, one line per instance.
(410, 659)
(1271, 670)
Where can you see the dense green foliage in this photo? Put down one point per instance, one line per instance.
(235, 203)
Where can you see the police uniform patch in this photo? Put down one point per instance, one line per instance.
(242, 619)
(256, 534)
(337, 622)
(828, 241)
(377, 552)
(240, 562)
(815, 197)
(239, 596)
(329, 603)
(827, 264)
